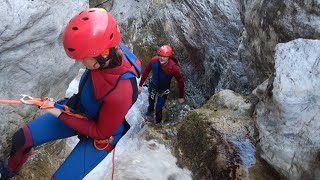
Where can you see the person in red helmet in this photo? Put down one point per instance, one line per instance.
(163, 68)
(107, 90)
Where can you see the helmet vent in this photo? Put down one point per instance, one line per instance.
(92, 11)
(71, 49)
(111, 36)
(75, 28)
(85, 18)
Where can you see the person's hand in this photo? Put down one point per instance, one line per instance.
(48, 103)
(181, 100)
(139, 89)
(54, 111)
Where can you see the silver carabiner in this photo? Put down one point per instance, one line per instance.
(166, 91)
(25, 98)
(152, 95)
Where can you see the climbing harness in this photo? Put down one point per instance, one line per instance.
(154, 93)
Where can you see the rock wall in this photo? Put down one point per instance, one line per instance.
(204, 36)
(267, 23)
(288, 112)
(33, 62)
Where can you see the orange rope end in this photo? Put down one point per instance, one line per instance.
(113, 164)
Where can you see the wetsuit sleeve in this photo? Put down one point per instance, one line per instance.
(145, 73)
(178, 76)
(111, 114)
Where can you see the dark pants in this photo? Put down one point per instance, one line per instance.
(159, 105)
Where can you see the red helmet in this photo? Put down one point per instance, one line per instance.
(165, 50)
(89, 33)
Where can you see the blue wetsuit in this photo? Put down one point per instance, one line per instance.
(104, 98)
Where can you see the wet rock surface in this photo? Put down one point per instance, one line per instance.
(217, 140)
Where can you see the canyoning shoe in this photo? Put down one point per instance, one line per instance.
(4, 173)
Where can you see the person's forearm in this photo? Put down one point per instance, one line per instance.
(143, 78)
(54, 111)
(83, 126)
(145, 74)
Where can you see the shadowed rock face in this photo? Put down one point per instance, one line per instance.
(204, 36)
(33, 62)
(215, 51)
(267, 23)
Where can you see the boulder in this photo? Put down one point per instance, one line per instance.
(288, 112)
(215, 141)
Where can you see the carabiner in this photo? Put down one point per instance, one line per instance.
(152, 95)
(166, 91)
(25, 99)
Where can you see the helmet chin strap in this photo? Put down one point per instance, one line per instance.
(102, 60)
